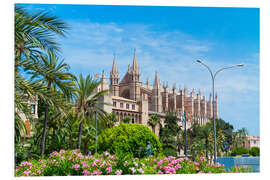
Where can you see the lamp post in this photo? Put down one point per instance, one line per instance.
(213, 76)
(185, 119)
(96, 131)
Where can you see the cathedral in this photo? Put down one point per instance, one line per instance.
(129, 97)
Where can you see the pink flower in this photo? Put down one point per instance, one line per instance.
(133, 170)
(200, 172)
(69, 174)
(103, 164)
(39, 171)
(44, 165)
(93, 164)
(106, 153)
(84, 164)
(141, 171)
(202, 159)
(62, 151)
(160, 172)
(85, 172)
(143, 165)
(96, 172)
(27, 172)
(135, 164)
(178, 166)
(197, 164)
(76, 166)
(165, 168)
(118, 172)
(109, 170)
(24, 163)
(62, 158)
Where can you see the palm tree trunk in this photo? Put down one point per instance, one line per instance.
(80, 136)
(43, 139)
(85, 146)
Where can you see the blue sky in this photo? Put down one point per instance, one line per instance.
(169, 40)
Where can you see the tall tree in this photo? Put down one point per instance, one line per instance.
(153, 121)
(34, 35)
(53, 72)
(87, 102)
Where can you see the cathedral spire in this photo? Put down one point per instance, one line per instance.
(135, 66)
(156, 82)
(114, 68)
(128, 68)
(174, 88)
(210, 97)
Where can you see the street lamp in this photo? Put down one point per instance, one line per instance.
(185, 116)
(213, 76)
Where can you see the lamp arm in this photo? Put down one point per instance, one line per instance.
(208, 70)
(229, 67)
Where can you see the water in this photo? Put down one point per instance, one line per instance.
(229, 162)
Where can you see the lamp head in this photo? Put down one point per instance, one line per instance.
(199, 61)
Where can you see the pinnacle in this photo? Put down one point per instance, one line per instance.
(135, 66)
(114, 68)
(156, 82)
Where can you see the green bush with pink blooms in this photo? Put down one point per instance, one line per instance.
(73, 163)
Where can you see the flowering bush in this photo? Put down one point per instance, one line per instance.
(71, 163)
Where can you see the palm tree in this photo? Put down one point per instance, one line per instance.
(239, 137)
(205, 135)
(87, 102)
(153, 121)
(110, 120)
(53, 73)
(34, 35)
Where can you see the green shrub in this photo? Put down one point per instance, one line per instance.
(126, 120)
(239, 151)
(128, 138)
(169, 152)
(254, 151)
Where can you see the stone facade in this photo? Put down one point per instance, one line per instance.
(32, 103)
(252, 141)
(132, 98)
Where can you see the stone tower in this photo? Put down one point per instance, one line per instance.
(135, 79)
(166, 97)
(114, 78)
(103, 83)
(157, 98)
